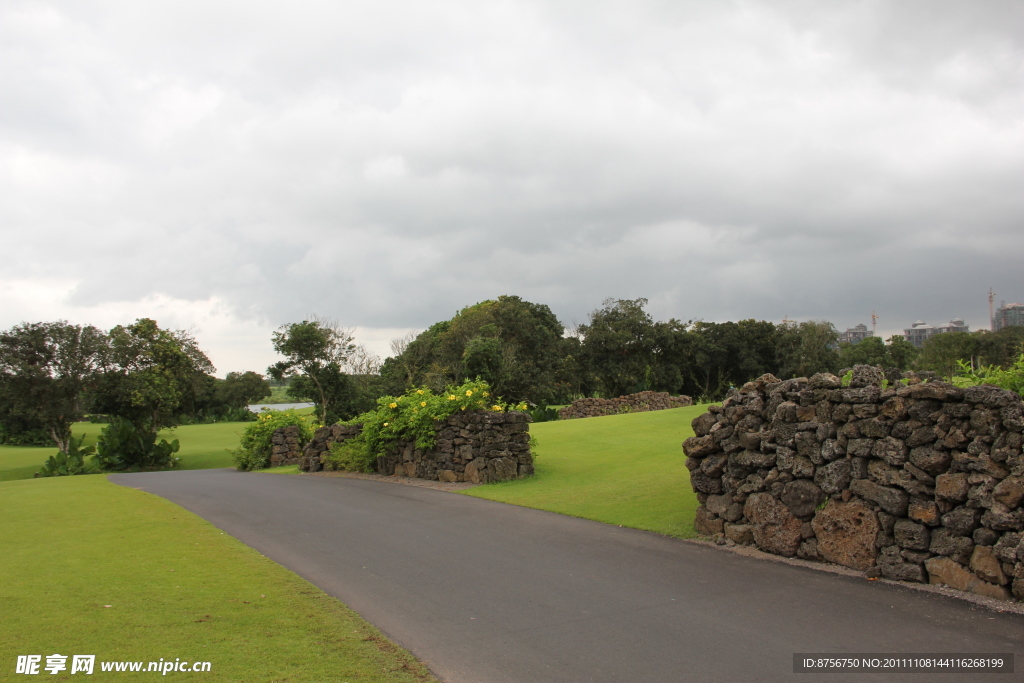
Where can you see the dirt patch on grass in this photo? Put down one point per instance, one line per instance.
(407, 481)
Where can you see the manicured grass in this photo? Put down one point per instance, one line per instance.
(202, 447)
(90, 567)
(620, 469)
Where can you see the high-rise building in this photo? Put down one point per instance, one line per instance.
(920, 332)
(855, 335)
(1009, 315)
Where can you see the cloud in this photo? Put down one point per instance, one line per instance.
(388, 163)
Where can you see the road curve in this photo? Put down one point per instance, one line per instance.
(487, 592)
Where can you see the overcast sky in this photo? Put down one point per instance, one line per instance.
(227, 167)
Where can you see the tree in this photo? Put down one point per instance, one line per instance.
(150, 375)
(807, 348)
(45, 368)
(512, 344)
(901, 353)
(869, 351)
(239, 389)
(941, 353)
(315, 354)
(618, 345)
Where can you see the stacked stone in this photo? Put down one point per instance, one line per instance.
(285, 447)
(471, 446)
(632, 403)
(921, 481)
(315, 452)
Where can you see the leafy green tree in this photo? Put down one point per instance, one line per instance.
(512, 344)
(150, 374)
(723, 355)
(941, 353)
(1002, 348)
(869, 351)
(807, 348)
(901, 352)
(45, 369)
(240, 389)
(315, 354)
(618, 344)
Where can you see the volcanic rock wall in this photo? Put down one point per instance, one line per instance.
(285, 448)
(632, 403)
(472, 446)
(918, 481)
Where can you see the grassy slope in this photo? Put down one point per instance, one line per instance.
(175, 586)
(621, 469)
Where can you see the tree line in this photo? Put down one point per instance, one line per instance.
(140, 377)
(51, 374)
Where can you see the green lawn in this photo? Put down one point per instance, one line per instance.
(620, 469)
(94, 568)
(202, 447)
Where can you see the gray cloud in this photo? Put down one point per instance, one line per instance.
(388, 163)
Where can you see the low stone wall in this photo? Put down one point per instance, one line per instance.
(633, 403)
(918, 482)
(285, 449)
(472, 446)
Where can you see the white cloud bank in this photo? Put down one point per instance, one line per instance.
(230, 166)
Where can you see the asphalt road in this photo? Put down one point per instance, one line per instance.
(487, 592)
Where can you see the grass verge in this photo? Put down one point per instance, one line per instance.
(90, 567)
(620, 469)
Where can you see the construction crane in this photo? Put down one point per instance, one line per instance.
(991, 310)
(874, 319)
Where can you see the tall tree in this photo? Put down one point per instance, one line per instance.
(239, 389)
(45, 369)
(618, 345)
(150, 374)
(316, 352)
(807, 348)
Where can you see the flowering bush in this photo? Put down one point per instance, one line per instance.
(254, 450)
(412, 417)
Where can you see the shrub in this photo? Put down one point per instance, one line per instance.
(254, 450)
(1011, 378)
(61, 465)
(352, 455)
(411, 417)
(543, 414)
(125, 446)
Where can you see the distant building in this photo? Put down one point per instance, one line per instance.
(1009, 316)
(920, 332)
(855, 335)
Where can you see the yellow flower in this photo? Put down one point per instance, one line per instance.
(386, 424)
(497, 408)
(420, 392)
(486, 394)
(469, 392)
(423, 403)
(451, 398)
(392, 405)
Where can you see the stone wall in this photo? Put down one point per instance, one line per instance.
(285, 448)
(633, 403)
(920, 481)
(472, 446)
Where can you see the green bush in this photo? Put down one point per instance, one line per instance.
(124, 446)
(1011, 378)
(544, 414)
(253, 452)
(62, 465)
(412, 417)
(352, 455)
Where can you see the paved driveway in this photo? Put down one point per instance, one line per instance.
(483, 591)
